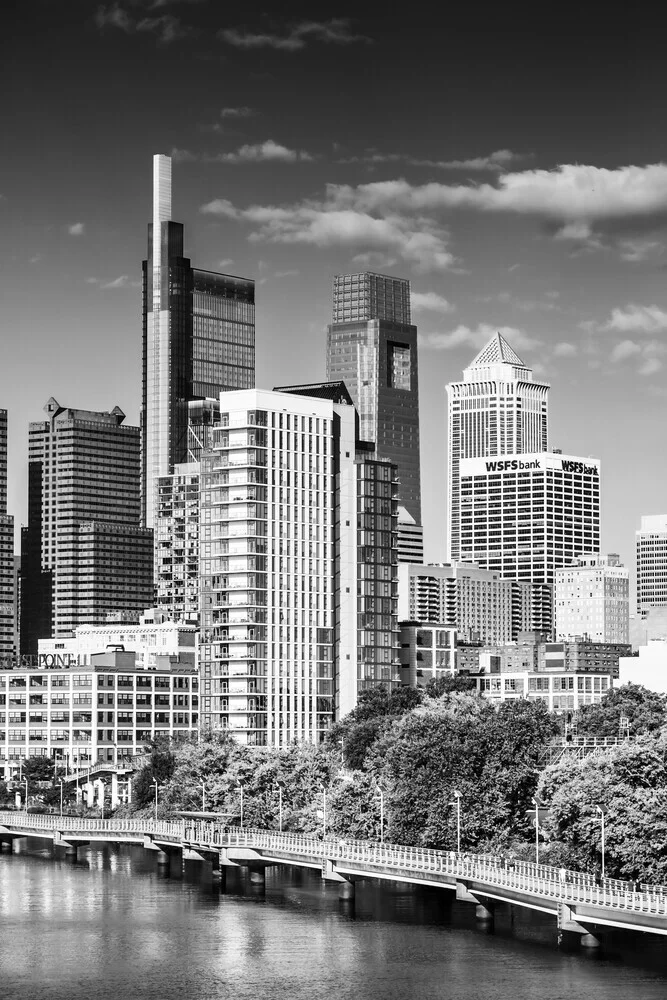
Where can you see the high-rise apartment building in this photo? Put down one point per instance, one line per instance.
(177, 543)
(478, 603)
(198, 340)
(592, 599)
(498, 409)
(298, 563)
(372, 347)
(528, 516)
(651, 542)
(83, 553)
(7, 616)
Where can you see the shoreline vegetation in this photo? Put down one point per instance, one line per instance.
(400, 758)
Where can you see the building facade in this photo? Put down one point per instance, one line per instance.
(592, 599)
(428, 652)
(372, 347)
(177, 543)
(99, 712)
(295, 531)
(527, 517)
(83, 553)
(478, 603)
(651, 544)
(198, 340)
(498, 409)
(7, 591)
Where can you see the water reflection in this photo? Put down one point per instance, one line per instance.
(107, 927)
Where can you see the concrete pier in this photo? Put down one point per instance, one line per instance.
(70, 852)
(19, 844)
(257, 874)
(590, 942)
(346, 890)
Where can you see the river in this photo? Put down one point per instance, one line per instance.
(109, 927)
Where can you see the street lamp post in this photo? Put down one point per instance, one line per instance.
(324, 810)
(154, 783)
(601, 813)
(61, 796)
(457, 796)
(381, 794)
(537, 830)
(203, 796)
(280, 805)
(241, 790)
(26, 793)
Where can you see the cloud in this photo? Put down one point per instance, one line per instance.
(638, 250)
(565, 350)
(123, 281)
(76, 229)
(336, 31)
(464, 336)
(637, 319)
(573, 200)
(291, 273)
(430, 301)
(225, 263)
(498, 160)
(182, 155)
(265, 151)
(35, 258)
(420, 241)
(648, 354)
(166, 27)
(243, 112)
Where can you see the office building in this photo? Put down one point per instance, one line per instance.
(105, 710)
(298, 566)
(372, 347)
(565, 675)
(651, 542)
(498, 409)
(428, 652)
(592, 599)
(478, 603)
(83, 553)
(526, 517)
(410, 539)
(7, 609)
(198, 340)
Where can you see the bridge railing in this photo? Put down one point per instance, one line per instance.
(485, 872)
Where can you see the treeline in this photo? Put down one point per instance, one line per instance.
(405, 755)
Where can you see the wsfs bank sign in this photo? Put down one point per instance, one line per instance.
(512, 464)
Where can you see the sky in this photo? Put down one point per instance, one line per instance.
(514, 168)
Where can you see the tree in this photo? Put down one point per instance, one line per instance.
(629, 783)
(447, 683)
(646, 711)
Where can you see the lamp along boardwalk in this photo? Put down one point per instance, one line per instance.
(579, 904)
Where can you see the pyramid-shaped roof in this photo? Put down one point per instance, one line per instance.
(497, 351)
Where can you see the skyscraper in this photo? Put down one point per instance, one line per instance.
(498, 409)
(651, 542)
(372, 347)
(6, 552)
(83, 552)
(198, 340)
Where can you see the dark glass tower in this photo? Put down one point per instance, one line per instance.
(198, 340)
(372, 347)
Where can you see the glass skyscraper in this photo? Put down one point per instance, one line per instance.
(372, 347)
(198, 340)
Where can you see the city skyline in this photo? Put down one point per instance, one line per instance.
(534, 210)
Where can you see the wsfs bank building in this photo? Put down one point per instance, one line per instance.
(528, 515)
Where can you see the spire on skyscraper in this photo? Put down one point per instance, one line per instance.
(497, 351)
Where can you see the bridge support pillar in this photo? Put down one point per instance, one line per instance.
(19, 844)
(485, 911)
(5, 845)
(70, 852)
(346, 890)
(589, 941)
(162, 859)
(257, 874)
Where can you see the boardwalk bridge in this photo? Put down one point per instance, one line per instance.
(579, 905)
